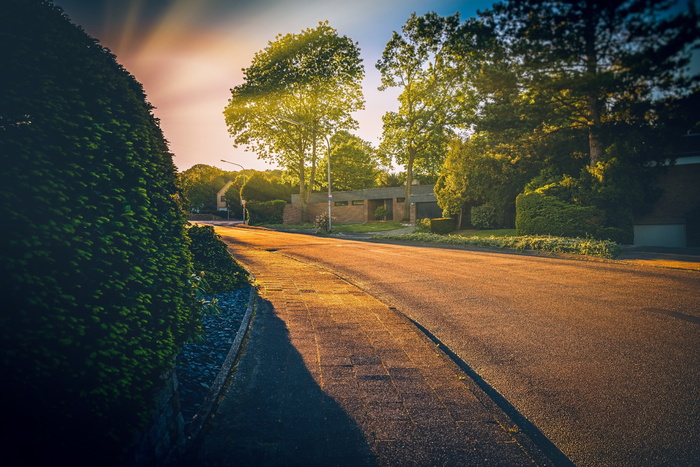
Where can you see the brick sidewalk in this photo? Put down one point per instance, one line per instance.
(332, 376)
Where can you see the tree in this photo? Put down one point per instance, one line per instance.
(429, 61)
(353, 163)
(479, 171)
(312, 78)
(232, 196)
(200, 184)
(95, 266)
(260, 187)
(575, 89)
(595, 63)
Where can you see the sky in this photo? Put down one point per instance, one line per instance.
(188, 54)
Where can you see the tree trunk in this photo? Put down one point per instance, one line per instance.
(303, 194)
(595, 144)
(409, 182)
(312, 175)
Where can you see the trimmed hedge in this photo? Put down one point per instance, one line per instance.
(221, 272)
(96, 267)
(484, 217)
(265, 212)
(422, 225)
(442, 225)
(541, 214)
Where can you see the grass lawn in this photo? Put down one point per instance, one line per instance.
(366, 227)
(486, 233)
(350, 228)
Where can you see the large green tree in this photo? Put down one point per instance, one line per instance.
(312, 78)
(595, 63)
(574, 89)
(429, 61)
(353, 163)
(200, 184)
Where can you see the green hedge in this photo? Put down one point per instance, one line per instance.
(422, 225)
(221, 272)
(484, 217)
(541, 214)
(265, 212)
(95, 273)
(442, 225)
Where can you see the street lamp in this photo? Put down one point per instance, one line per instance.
(229, 162)
(245, 218)
(328, 144)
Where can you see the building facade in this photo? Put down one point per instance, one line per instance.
(361, 205)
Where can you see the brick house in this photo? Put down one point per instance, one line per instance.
(674, 220)
(360, 205)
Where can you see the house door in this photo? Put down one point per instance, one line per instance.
(428, 210)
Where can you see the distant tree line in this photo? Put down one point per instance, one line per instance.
(354, 168)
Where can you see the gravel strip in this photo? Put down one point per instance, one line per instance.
(199, 362)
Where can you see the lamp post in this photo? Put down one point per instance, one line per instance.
(245, 218)
(328, 144)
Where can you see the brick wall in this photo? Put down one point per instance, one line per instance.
(292, 214)
(344, 214)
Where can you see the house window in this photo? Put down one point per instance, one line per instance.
(341, 203)
(400, 200)
(358, 202)
(223, 198)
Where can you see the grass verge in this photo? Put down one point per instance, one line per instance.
(364, 227)
(578, 246)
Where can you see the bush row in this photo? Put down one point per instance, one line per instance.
(265, 212)
(541, 214)
(581, 246)
(220, 271)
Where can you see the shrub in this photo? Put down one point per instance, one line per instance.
(96, 300)
(442, 225)
(265, 212)
(541, 214)
(381, 212)
(221, 272)
(581, 246)
(321, 223)
(484, 217)
(422, 225)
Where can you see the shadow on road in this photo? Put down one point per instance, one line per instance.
(274, 413)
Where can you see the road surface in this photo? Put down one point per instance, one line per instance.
(602, 357)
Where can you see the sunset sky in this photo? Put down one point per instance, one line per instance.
(189, 53)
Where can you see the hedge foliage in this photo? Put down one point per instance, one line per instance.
(442, 225)
(265, 212)
(95, 261)
(538, 213)
(484, 217)
(221, 272)
(578, 246)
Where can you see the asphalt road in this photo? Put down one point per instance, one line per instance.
(602, 357)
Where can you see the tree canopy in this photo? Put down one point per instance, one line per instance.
(592, 63)
(312, 78)
(573, 92)
(354, 163)
(200, 184)
(429, 61)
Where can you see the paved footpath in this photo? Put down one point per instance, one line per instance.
(331, 376)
